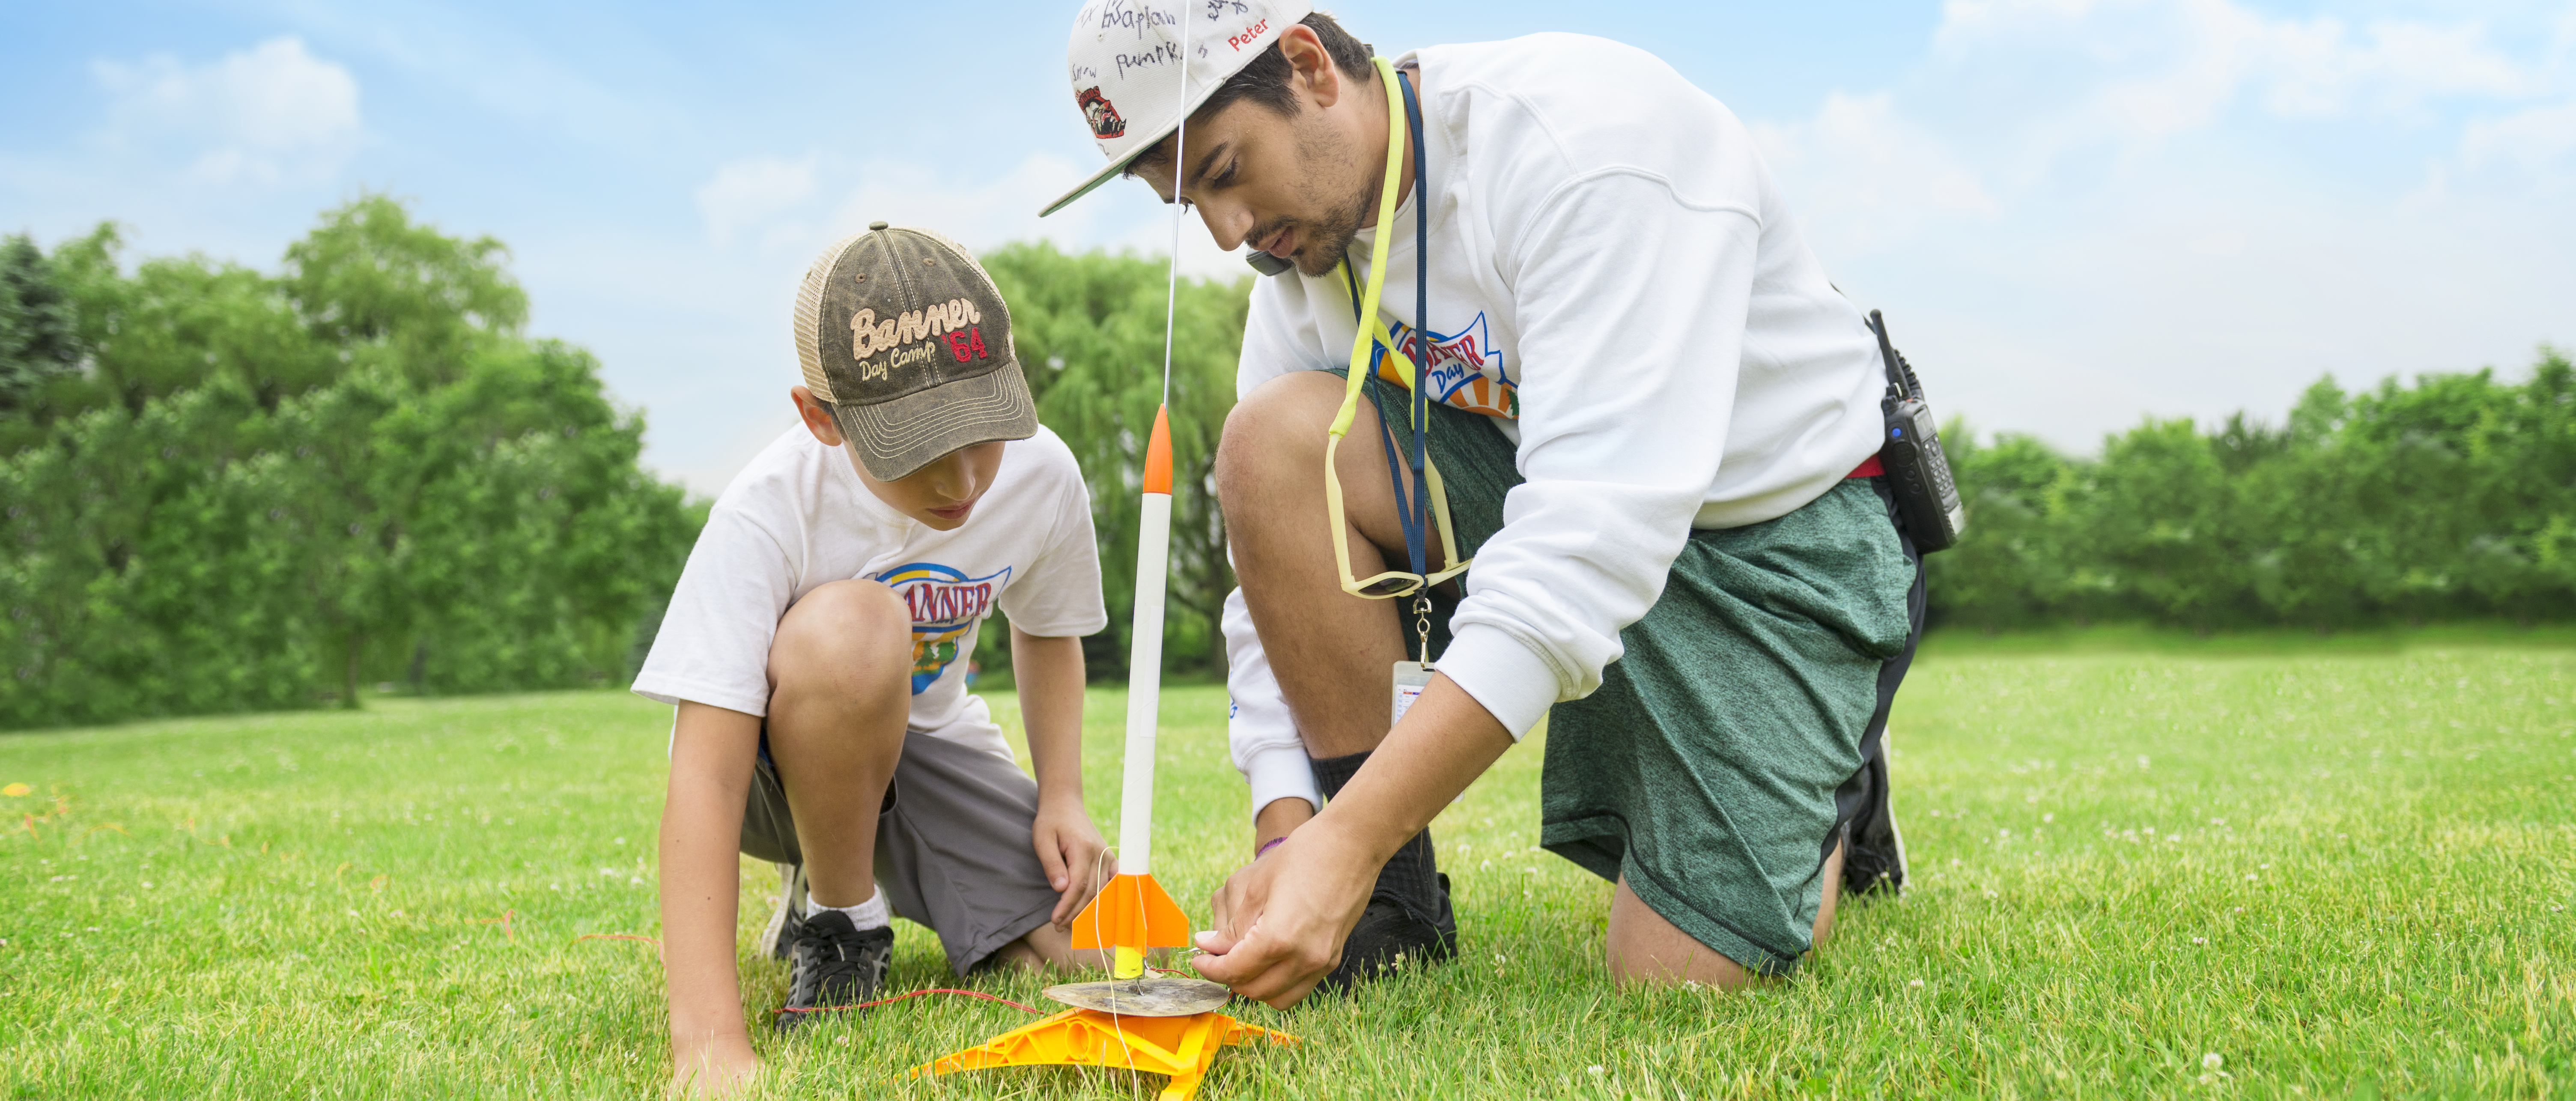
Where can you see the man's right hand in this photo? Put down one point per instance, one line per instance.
(1281, 920)
(716, 1066)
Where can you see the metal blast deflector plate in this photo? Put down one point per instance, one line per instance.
(1155, 997)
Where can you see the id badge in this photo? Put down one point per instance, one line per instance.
(1411, 677)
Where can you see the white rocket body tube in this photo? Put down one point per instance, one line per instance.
(1144, 688)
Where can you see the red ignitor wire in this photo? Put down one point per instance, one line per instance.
(915, 994)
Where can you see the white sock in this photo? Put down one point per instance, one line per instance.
(871, 914)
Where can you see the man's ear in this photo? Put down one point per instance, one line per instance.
(1311, 67)
(818, 420)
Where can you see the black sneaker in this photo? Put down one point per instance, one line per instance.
(1873, 848)
(1391, 934)
(831, 965)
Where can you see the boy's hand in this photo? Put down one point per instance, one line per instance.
(1069, 847)
(721, 1066)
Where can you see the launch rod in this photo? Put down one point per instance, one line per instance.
(1145, 656)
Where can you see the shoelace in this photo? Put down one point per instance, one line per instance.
(843, 956)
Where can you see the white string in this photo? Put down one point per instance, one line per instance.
(1180, 171)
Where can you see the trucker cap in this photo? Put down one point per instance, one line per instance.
(1125, 60)
(904, 334)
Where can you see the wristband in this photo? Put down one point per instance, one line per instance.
(1266, 846)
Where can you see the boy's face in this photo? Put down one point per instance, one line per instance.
(942, 494)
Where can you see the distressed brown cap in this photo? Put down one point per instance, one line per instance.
(902, 332)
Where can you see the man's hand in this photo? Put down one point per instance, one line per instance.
(1281, 920)
(1069, 846)
(718, 1066)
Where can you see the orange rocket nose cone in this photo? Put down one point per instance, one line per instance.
(1132, 912)
(1158, 454)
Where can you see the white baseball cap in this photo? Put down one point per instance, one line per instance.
(1125, 60)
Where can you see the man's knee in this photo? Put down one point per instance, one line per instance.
(843, 630)
(1276, 429)
(1646, 948)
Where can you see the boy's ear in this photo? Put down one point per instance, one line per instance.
(818, 419)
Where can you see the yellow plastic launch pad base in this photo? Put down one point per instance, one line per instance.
(1182, 1047)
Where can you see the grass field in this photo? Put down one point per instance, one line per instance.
(2137, 874)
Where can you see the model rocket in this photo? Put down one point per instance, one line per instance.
(1131, 913)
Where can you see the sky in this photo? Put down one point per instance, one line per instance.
(2075, 213)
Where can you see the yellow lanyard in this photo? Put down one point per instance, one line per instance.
(1367, 334)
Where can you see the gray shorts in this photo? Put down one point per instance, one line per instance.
(953, 844)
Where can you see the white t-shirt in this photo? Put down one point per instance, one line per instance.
(798, 517)
(1615, 279)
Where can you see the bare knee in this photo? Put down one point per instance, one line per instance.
(1833, 873)
(847, 634)
(1276, 431)
(1646, 948)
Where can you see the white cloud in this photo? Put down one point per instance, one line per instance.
(995, 210)
(272, 113)
(752, 194)
(979, 214)
(2315, 68)
(2532, 140)
(2079, 211)
(2131, 74)
(1866, 177)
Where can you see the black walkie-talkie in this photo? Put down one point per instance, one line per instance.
(1927, 499)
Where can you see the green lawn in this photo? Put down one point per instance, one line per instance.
(2142, 873)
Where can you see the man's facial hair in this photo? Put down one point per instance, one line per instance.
(1329, 236)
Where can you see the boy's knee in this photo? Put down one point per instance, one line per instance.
(843, 627)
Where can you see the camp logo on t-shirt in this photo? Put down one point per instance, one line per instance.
(1465, 369)
(945, 604)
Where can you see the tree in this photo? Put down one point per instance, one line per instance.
(263, 491)
(2450, 498)
(38, 342)
(369, 280)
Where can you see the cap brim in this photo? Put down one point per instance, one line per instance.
(895, 438)
(1106, 174)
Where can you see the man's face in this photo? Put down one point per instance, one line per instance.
(1295, 186)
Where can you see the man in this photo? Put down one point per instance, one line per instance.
(1656, 421)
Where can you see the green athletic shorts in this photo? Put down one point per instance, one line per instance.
(1705, 768)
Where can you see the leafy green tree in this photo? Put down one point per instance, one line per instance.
(38, 341)
(263, 492)
(372, 282)
(2014, 570)
(2453, 497)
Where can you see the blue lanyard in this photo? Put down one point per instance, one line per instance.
(1412, 513)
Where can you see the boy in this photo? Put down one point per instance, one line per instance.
(817, 646)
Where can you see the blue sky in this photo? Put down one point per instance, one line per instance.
(2075, 212)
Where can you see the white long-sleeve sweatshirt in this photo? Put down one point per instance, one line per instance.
(1614, 274)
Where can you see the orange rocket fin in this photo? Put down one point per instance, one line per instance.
(1131, 912)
